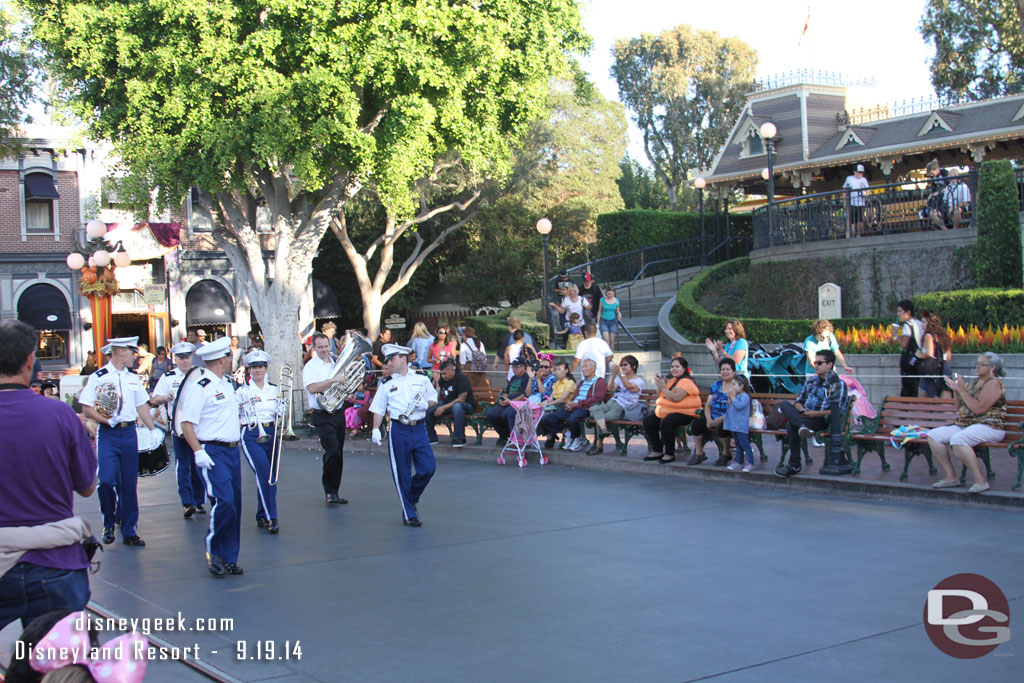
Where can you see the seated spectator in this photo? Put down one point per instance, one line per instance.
(573, 332)
(677, 405)
(543, 381)
(562, 390)
(713, 417)
(420, 343)
(822, 337)
(624, 386)
(934, 358)
(981, 418)
(958, 199)
(591, 390)
(353, 419)
(819, 406)
(513, 325)
(455, 398)
(502, 415)
(734, 347)
(609, 315)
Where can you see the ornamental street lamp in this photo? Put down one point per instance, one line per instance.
(768, 132)
(700, 183)
(544, 228)
(97, 281)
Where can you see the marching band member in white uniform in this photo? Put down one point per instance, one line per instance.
(191, 489)
(405, 396)
(264, 399)
(209, 423)
(117, 445)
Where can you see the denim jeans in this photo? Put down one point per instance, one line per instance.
(458, 411)
(28, 590)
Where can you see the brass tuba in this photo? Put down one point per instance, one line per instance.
(108, 400)
(347, 373)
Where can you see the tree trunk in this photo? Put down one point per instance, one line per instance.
(373, 306)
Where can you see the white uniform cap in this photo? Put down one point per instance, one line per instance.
(860, 168)
(120, 342)
(215, 350)
(257, 356)
(394, 350)
(183, 348)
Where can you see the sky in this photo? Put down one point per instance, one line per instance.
(862, 40)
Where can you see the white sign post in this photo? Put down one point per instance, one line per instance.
(155, 295)
(830, 301)
(393, 322)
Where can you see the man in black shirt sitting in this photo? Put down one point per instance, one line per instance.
(455, 398)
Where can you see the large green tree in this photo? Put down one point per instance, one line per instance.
(19, 71)
(300, 104)
(684, 88)
(639, 188)
(979, 47)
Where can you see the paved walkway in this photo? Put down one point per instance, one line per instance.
(568, 573)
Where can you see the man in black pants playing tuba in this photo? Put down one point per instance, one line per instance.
(330, 427)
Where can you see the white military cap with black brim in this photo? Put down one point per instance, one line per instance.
(390, 350)
(215, 350)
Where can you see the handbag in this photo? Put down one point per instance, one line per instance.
(636, 412)
(929, 366)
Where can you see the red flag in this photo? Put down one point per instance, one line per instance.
(807, 25)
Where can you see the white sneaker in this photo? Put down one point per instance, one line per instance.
(577, 444)
(748, 468)
(735, 466)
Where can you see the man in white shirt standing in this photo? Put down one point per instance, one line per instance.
(117, 445)
(857, 183)
(594, 348)
(330, 427)
(958, 198)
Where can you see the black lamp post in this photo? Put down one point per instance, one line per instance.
(544, 228)
(768, 132)
(699, 183)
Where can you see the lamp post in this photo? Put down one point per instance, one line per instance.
(97, 282)
(700, 183)
(768, 132)
(544, 228)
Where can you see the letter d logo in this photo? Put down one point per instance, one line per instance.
(961, 615)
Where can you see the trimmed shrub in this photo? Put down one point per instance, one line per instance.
(621, 231)
(689, 318)
(998, 257)
(981, 307)
(491, 329)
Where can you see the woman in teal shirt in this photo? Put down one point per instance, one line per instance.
(609, 314)
(735, 347)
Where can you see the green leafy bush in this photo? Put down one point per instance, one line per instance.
(689, 318)
(491, 329)
(622, 231)
(981, 307)
(998, 258)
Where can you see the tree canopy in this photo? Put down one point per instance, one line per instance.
(979, 47)
(684, 88)
(18, 75)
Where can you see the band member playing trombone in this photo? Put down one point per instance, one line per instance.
(406, 397)
(207, 415)
(191, 489)
(261, 403)
(112, 396)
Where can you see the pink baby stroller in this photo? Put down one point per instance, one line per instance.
(524, 433)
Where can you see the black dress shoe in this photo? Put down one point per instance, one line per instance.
(232, 568)
(216, 566)
(261, 522)
(134, 540)
(696, 459)
(333, 499)
(200, 510)
(272, 526)
(665, 459)
(412, 521)
(549, 443)
(108, 536)
(653, 456)
(189, 511)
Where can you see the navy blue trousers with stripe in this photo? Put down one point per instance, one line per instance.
(117, 451)
(191, 489)
(258, 455)
(410, 449)
(224, 488)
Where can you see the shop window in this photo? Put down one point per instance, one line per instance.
(53, 346)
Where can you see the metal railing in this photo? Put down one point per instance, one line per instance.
(894, 208)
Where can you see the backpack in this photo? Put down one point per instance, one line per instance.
(478, 362)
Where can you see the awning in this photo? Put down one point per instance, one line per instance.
(208, 302)
(44, 308)
(325, 304)
(39, 186)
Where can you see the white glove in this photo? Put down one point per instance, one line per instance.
(203, 460)
(282, 409)
(375, 435)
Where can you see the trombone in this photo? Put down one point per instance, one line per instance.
(281, 422)
(250, 418)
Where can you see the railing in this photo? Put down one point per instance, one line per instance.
(810, 77)
(888, 209)
(642, 345)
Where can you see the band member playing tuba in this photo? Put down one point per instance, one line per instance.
(318, 374)
(112, 397)
(261, 402)
(191, 489)
(208, 416)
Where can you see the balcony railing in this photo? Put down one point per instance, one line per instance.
(888, 209)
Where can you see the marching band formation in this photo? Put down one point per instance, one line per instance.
(214, 424)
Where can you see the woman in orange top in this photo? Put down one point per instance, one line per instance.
(677, 405)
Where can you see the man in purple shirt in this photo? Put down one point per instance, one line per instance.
(45, 455)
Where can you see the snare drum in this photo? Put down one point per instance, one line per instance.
(153, 458)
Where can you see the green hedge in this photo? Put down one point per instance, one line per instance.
(981, 307)
(621, 231)
(998, 257)
(491, 329)
(689, 318)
